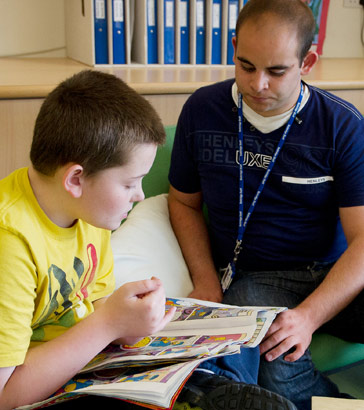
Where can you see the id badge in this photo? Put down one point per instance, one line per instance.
(227, 276)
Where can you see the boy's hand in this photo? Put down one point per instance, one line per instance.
(137, 309)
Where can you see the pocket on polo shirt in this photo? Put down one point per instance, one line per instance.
(307, 181)
(315, 191)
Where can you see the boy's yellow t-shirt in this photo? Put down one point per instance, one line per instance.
(49, 276)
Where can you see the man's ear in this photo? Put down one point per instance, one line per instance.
(233, 40)
(309, 62)
(73, 178)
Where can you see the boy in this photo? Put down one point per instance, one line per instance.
(91, 148)
(94, 140)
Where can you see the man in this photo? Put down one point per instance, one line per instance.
(286, 193)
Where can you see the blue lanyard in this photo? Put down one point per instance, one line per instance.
(243, 222)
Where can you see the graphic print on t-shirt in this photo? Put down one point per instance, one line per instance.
(66, 290)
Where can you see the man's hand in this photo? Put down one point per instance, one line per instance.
(207, 287)
(291, 329)
(212, 294)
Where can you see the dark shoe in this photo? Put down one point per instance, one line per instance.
(213, 392)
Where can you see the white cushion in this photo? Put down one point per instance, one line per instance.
(145, 246)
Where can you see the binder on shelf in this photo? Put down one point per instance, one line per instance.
(182, 32)
(152, 32)
(118, 32)
(233, 11)
(166, 32)
(216, 21)
(101, 34)
(200, 32)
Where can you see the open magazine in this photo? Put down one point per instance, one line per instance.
(152, 372)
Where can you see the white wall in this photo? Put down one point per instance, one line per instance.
(32, 26)
(343, 31)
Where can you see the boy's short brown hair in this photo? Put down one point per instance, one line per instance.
(293, 12)
(93, 119)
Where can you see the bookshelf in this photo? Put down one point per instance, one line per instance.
(139, 32)
(159, 32)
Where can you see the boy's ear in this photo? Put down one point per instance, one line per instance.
(73, 180)
(309, 62)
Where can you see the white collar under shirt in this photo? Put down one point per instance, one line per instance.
(267, 124)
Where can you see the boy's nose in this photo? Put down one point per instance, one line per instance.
(139, 194)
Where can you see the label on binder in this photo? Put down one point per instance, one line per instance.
(151, 13)
(233, 15)
(216, 15)
(183, 14)
(169, 14)
(119, 10)
(100, 9)
(199, 14)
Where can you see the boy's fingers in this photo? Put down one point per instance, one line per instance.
(156, 279)
(168, 316)
(141, 287)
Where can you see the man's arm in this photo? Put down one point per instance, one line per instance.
(294, 328)
(136, 309)
(189, 225)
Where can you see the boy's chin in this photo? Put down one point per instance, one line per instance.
(110, 226)
(115, 226)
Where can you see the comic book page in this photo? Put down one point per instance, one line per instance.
(159, 350)
(189, 338)
(153, 370)
(147, 386)
(154, 387)
(199, 317)
(264, 320)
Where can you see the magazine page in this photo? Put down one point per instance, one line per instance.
(155, 387)
(195, 316)
(148, 387)
(264, 320)
(172, 346)
(152, 370)
(161, 350)
(188, 344)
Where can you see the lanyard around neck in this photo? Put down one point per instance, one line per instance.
(243, 222)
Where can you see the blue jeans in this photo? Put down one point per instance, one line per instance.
(297, 381)
(241, 367)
